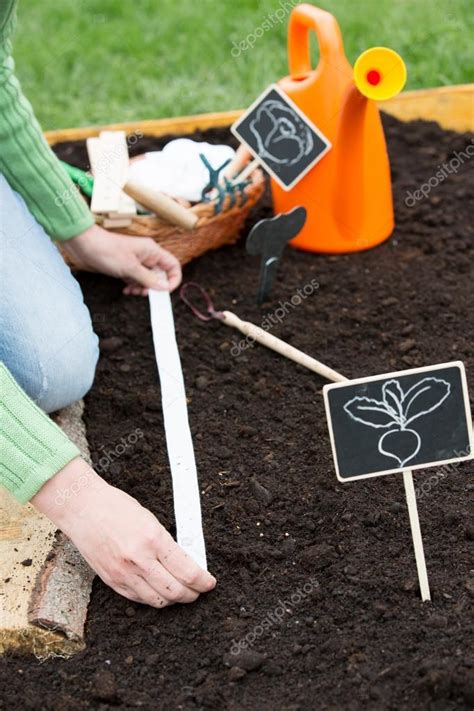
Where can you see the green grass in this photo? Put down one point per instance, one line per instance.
(84, 62)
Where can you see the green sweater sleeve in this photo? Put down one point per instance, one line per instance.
(32, 447)
(26, 160)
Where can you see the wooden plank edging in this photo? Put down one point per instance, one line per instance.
(45, 584)
(451, 106)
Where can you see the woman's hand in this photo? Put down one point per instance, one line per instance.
(122, 541)
(139, 261)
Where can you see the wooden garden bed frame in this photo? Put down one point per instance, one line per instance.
(451, 106)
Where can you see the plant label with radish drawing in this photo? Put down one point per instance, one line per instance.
(281, 136)
(407, 420)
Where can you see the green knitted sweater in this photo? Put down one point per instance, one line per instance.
(26, 160)
(32, 447)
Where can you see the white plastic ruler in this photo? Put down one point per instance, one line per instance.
(187, 503)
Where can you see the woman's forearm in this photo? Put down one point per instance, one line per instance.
(122, 541)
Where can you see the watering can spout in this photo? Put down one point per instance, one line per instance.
(380, 73)
(360, 208)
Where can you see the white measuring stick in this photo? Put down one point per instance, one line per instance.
(276, 344)
(416, 535)
(187, 504)
(284, 349)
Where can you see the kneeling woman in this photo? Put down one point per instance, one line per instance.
(49, 351)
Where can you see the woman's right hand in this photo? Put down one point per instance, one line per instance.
(120, 539)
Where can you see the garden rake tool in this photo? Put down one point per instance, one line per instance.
(284, 349)
(255, 332)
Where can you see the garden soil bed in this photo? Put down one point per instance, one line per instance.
(330, 567)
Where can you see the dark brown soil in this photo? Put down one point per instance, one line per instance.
(330, 567)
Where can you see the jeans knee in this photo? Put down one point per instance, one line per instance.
(71, 375)
(85, 372)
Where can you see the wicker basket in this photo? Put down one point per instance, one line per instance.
(212, 230)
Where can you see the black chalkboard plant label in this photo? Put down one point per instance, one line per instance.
(411, 419)
(398, 422)
(281, 137)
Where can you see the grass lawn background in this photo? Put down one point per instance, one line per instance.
(85, 62)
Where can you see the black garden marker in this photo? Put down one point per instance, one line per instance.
(280, 137)
(269, 238)
(398, 422)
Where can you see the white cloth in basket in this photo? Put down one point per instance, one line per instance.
(178, 170)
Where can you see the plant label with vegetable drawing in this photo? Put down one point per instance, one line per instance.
(283, 139)
(399, 421)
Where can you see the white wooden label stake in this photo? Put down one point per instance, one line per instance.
(416, 535)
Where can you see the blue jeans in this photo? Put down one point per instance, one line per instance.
(46, 336)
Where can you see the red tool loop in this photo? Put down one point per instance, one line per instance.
(210, 311)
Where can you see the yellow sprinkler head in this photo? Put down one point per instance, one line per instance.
(380, 73)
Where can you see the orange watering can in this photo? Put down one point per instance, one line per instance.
(348, 194)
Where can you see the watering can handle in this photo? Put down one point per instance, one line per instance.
(304, 18)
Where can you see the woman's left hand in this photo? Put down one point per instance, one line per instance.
(139, 261)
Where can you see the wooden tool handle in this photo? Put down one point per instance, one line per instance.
(247, 171)
(161, 204)
(275, 344)
(240, 160)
